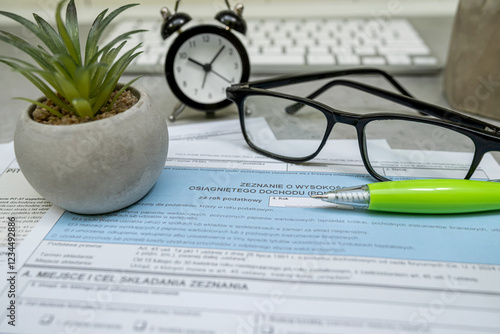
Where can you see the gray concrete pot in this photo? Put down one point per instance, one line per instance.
(94, 167)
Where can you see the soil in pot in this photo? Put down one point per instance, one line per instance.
(124, 102)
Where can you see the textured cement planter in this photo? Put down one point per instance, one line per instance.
(94, 167)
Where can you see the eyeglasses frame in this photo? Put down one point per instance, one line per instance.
(485, 136)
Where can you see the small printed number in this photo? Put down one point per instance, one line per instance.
(184, 83)
(206, 39)
(179, 69)
(183, 55)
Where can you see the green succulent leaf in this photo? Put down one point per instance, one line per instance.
(66, 38)
(121, 64)
(82, 82)
(41, 34)
(98, 28)
(76, 80)
(83, 107)
(37, 82)
(16, 60)
(24, 46)
(106, 59)
(68, 88)
(66, 66)
(51, 39)
(91, 48)
(111, 44)
(72, 25)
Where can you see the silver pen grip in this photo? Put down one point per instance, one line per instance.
(356, 197)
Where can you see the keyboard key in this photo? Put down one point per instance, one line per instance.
(300, 35)
(295, 50)
(327, 42)
(254, 50)
(365, 50)
(318, 50)
(342, 50)
(322, 35)
(272, 50)
(283, 42)
(320, 60)
(425, 60)
(373, 61)
(400, 50)
(260, 42)
(398, 59)
(305, 42)
(277, 35)
(281, 60)
(348, 59)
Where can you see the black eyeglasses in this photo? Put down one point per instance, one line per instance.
(295, 129)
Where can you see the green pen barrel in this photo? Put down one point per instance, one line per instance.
(439, 196)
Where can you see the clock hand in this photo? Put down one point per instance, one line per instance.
(220, 76)
(204, 79)
(206, 68)
(217, 74)
(196, 62)
(217, 55)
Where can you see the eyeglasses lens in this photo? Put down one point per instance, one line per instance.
(270, 127)
(401, 149)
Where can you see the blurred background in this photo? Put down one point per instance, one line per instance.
(253, 8)
(432, 19)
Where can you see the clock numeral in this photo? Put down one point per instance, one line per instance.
(210, 95)
(232, 80)
(236, 66)
(192, 44)
(179, 69)
(196, 91)
(206, 39)
(183, 55)
(184, 84)
(220, 41)
(231, 51)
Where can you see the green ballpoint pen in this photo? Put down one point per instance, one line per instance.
(439, 196)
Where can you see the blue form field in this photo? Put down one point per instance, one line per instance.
(229, 209)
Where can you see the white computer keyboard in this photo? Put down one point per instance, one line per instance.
(293, 45)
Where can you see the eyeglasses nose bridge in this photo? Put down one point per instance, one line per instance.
(343, 119)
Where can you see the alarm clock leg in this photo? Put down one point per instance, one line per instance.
(177, 110)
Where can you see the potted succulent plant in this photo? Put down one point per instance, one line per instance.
(111, 142)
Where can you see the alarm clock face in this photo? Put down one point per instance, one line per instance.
(202, 62)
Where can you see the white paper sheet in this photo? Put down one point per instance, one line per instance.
(214, 248)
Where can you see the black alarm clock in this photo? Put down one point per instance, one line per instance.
(204, 59)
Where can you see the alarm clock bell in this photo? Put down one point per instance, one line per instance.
(204, 59)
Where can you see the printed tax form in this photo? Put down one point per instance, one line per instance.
(226, 242)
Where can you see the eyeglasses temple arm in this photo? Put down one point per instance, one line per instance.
(296, 79)
(293, 108)
(421, 106)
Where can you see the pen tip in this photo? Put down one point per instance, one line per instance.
(319, 196)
